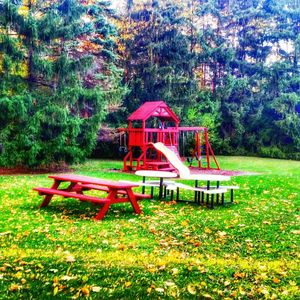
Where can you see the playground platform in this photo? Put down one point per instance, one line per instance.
(196, 170)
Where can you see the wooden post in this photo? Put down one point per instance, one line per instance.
(207, 148)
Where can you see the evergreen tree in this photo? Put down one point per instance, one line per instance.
(282, 90)
(230, 65)
(106, 71)
(51, 114)
(246, 85)
(244, 61)
(161, 63)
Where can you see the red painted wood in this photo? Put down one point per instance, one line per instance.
(192, 128)
(133, 201)
(121, 192)
(115, 189)
(48, 197)
(207, 149)
(157, 109)
(139, 138)
(87, 186)
(50, 191)
(92, 180)
(102, 212)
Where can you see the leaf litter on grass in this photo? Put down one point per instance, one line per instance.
(246, 250)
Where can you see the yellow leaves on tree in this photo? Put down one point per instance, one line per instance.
(88, 46)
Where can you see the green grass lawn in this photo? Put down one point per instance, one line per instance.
(248, 250)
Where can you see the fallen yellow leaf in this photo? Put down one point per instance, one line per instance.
(239, 275)
(70, 258)
(85, 291)
(227, 282)
(55, 291)
(207, 230)
(175, 271)
(185, 223)
(191, 289)
(96, 289)
(14, 287)
(276, 280)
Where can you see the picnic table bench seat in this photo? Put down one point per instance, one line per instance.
(139, 196)
(228, 187)
(66, 194)
(199, 190)
(141, 183)
(204, 189)
(151, 184)
(210, 191)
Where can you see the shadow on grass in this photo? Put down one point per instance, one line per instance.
(86, 211)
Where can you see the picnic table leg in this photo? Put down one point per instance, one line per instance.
(112, 194)
(75, 187)
(143, 187)
(207, 195)
(160, 188)
(48, 198)
(198, 197)
(196, 194)
(172, 195)
(102, 212)
(132, 199)
(218, 186)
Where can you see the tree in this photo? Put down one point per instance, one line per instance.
(283, 87)
(52, 113)
(258, 99)
(159, 62)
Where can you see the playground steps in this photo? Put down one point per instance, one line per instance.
(131, 163)
(167, 169)
(158, 166)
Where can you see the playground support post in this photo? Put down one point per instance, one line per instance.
(207, 148)
(198, 147)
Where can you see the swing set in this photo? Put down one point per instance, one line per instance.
(155, 122)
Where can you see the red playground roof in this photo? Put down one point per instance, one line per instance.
(157, 109)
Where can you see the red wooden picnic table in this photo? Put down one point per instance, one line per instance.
(118, 192)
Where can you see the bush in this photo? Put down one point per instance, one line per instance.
(272, 151)
(46, 133)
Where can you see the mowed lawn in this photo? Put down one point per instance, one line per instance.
(247, 250)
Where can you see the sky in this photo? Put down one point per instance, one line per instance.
(117, 3)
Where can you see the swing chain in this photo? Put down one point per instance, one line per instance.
(123, 144)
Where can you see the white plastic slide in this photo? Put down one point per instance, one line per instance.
(183, 170)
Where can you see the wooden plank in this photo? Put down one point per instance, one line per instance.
(229, 187)
(121, 192)
(157, 163)
(92, 180)
(49, 191)
(86, 186)
(201, 189)
(213, 191)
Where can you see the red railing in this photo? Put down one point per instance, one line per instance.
(141, 137)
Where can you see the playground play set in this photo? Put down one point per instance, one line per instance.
(155, 122)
